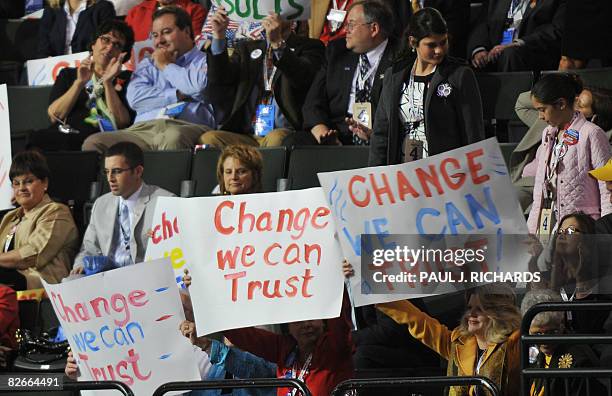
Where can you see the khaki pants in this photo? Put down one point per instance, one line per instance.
(164, 134)
(221, 139)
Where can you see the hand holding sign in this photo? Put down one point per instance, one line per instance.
(219, 23)
(72, 369)
(277, 30)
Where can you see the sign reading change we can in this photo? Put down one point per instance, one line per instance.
(256, 10)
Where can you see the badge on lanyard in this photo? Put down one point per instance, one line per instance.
(413, 150)
(264, 119)
(336, 18)
(173, 110)
(508, 36)
(570, 137)
(545, 224)
(362, 113)
(105, 124)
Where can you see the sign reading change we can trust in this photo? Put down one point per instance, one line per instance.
(256, 10)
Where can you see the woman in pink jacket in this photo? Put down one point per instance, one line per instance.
(571, 147)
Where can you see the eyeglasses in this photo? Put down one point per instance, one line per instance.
(352, 25)
(117, 45)
(116, 171)
(27, 182)
(570, 230)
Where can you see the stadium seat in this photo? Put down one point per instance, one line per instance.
(306, 161)
(499, 92)
(507, 149)
(601, 78)
(72, 175)
(167, 169)
(28, 108)
(204, 171)
(19, 39)
(274, 166)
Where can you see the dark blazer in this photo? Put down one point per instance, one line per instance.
(541, 27)
(328, 98)
(52, 31)
(450, 122)
(233, 79)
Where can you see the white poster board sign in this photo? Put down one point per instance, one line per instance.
(123, 325)
(6, 191)
(256, 10)
(255, 259)
(466, 191)
(44, 71)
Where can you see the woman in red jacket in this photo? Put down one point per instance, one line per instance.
(140, 18)
(318, 352)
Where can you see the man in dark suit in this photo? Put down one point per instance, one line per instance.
(352, 73)
(254, 110)
(516, 35)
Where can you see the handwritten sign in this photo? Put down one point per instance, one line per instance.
(44, 71)
(463, 191)
(256, 10)
(255, 259)
(6, 191)
(114, 325)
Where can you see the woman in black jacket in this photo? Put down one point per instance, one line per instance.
(429, 102)
(52, 34)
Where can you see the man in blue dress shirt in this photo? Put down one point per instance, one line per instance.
(166, 91)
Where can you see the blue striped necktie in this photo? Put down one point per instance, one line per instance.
(124, 257)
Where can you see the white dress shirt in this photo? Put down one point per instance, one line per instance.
(71, 23)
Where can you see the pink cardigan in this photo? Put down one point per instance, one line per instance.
(576, 189)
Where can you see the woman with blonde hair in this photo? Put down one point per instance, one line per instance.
(240, 170)
(67, 26)
(486, 342)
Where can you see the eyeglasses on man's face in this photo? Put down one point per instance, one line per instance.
(352, 25)
(116, 171)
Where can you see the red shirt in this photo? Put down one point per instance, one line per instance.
(140, 18)
(331, 360)
(9, 317)
(327, 35)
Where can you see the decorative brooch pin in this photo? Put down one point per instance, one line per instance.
(565, 361)
(444, 90)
